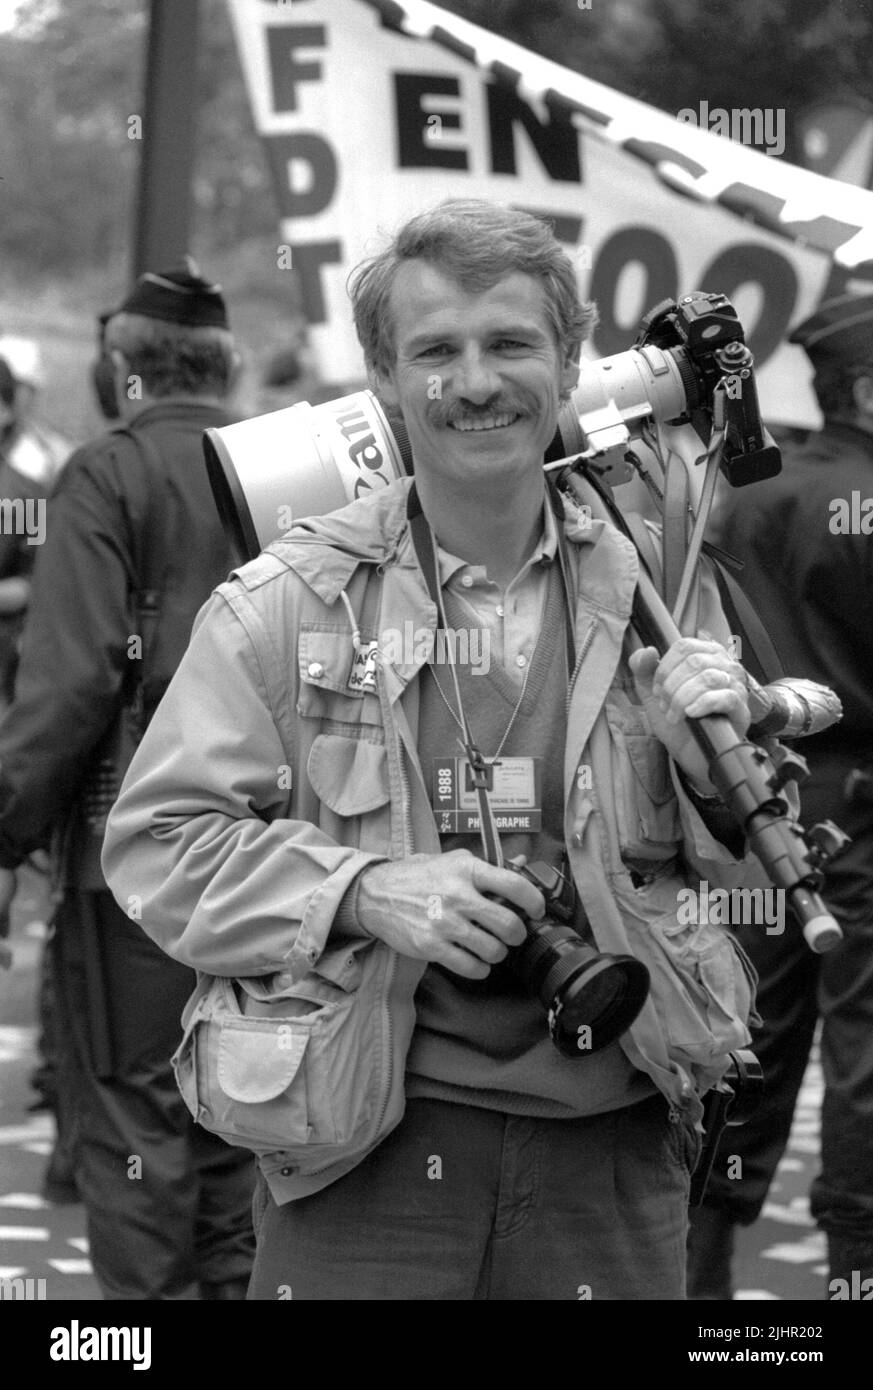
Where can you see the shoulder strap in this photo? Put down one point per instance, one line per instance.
(748, 626)
(738, 609)
(742, 617)
(675, 527)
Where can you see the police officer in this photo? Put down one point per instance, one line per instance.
(167, 1204)
(805, 539)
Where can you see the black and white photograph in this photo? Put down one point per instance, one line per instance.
(436, 669)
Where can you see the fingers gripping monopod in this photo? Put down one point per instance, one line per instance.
(749, 780)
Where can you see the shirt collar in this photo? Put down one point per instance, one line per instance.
(543, 552)
(179, 407)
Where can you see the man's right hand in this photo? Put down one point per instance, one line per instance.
(437, 907)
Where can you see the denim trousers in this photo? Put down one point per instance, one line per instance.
(462, 1203)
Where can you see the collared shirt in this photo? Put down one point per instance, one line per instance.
(511, 618)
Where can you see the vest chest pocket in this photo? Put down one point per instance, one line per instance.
(335, 687)
(347, 763)
(646, 809)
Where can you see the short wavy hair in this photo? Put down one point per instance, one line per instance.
(173, 359)
(476, 243)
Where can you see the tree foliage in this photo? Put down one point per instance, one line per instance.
(71, 77)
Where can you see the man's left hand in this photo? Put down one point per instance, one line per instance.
(696, 676)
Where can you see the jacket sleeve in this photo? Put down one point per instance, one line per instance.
(73, 660)
(199, 845)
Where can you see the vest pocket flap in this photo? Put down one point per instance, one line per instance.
(325, 661)
(257, 1065)
(630, 729)
(349, 775)
(651, 765)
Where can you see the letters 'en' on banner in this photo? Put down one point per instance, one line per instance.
(371, 111)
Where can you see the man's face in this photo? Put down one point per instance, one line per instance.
(477, 377)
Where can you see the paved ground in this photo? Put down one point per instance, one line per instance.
(37, 1240)
(780, 1257)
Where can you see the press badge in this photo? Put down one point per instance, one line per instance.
(514, 790)
(363, 674)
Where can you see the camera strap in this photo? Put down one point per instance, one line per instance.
(674, 518)
(425, 549)
(742, 616)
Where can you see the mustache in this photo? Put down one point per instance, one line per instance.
(453, 412)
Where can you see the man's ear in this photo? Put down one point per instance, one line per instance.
(569, 375)
(862, 393)
(382, 384)
(128, 405)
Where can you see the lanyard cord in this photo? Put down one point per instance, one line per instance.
(425, 549)
(422, 538)
(495, 756)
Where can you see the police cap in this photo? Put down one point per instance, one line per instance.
(179, 295)
(840, 329)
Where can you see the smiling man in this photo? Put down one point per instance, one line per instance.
(437, 1145)
(478, 379)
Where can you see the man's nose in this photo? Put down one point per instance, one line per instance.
(476, 379)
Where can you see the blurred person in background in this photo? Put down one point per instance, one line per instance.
(133, 548)
(59, 1183)
(36, 450)
(805, 540)
(29, 466)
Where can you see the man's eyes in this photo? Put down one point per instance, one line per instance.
(498, 345)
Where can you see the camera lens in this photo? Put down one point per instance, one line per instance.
(591, 998)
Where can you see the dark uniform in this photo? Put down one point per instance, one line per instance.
(811, 581)
(168, 1205)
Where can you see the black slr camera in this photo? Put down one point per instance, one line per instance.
(590, 997)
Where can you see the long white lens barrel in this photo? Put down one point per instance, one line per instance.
(616, 395)
(270, 471)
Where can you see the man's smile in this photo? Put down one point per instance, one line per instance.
(484, 422)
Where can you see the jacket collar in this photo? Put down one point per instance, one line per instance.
(326, 551)
(179, 408)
